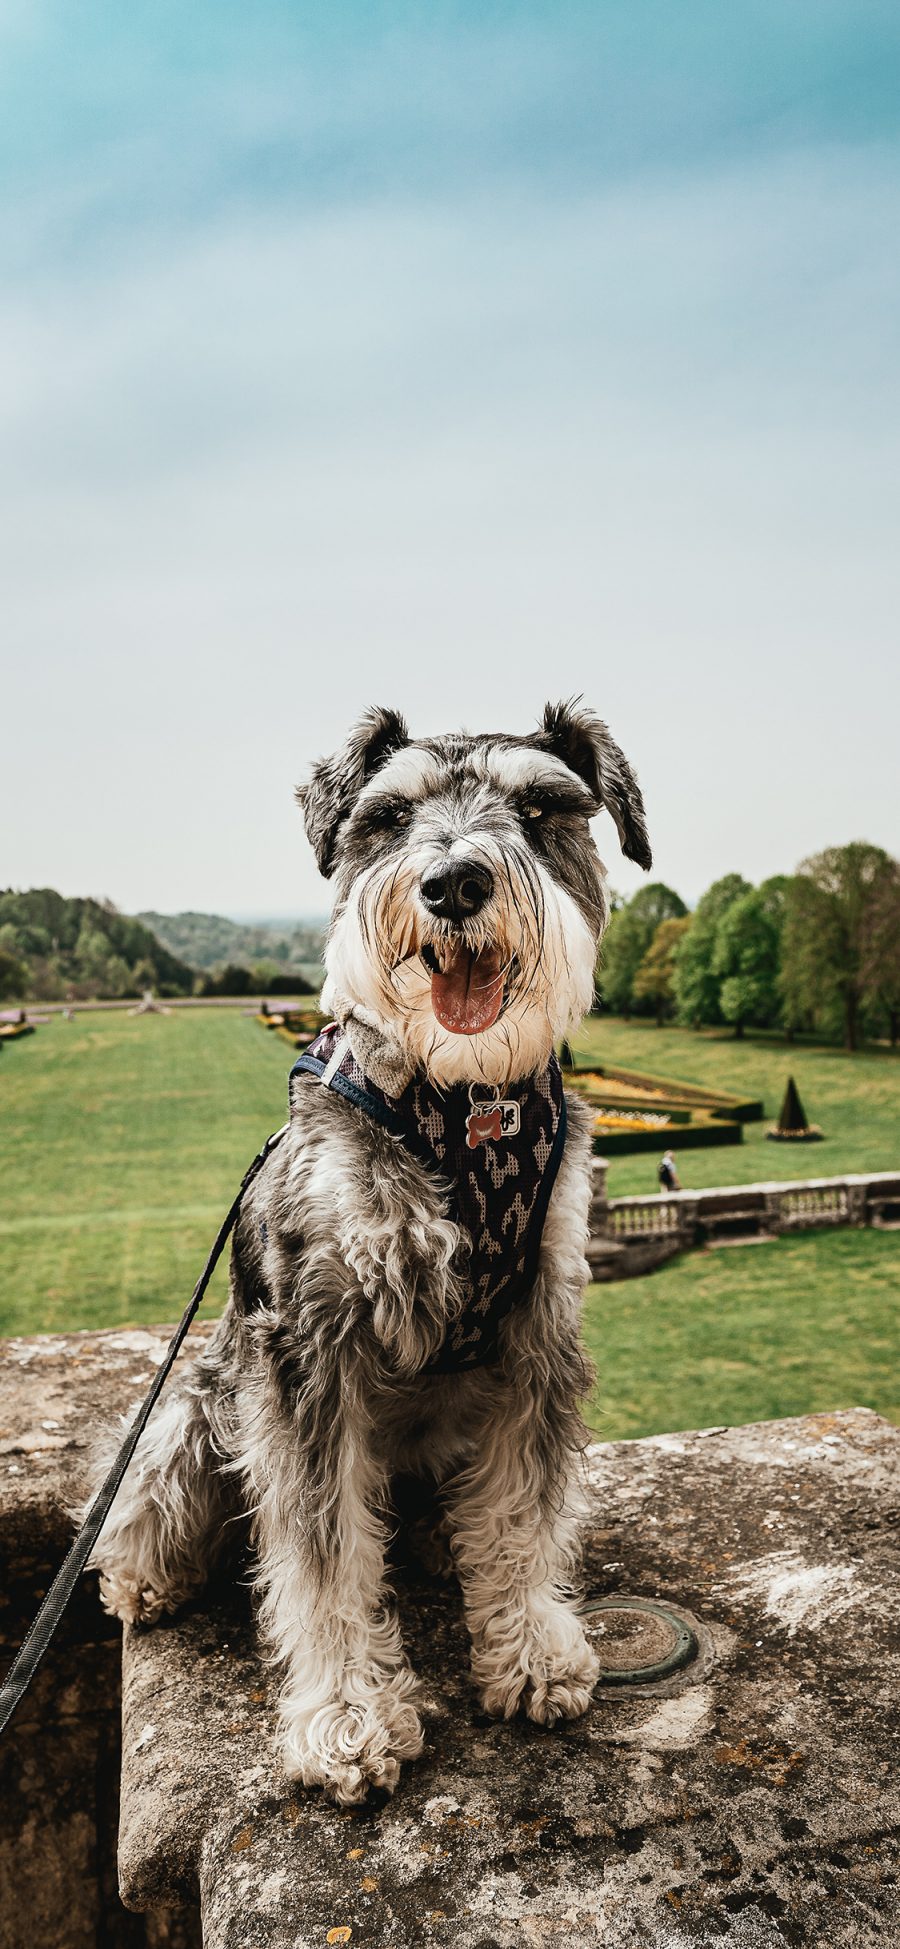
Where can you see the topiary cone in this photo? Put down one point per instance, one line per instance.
(793, 1115)
(792, 1122)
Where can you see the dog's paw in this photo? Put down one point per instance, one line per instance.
(348, 1781)
(134, 1602)
(564, 1694)
(551, 1675)
(350, 1749)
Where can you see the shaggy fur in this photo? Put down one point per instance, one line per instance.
(346, 1271)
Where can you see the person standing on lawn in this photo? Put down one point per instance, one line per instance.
(668, 1176)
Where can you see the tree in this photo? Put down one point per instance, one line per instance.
(880, 959)
(627, 939)
(653, 981)
(116, 977)
(13, 976)
(694, 979)
(839, 937)
(143, 975)
(747, 956)
(270, 979)
(85, 946)
(231, 980)
(92, 950)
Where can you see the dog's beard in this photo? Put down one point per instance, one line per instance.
(482, 1002)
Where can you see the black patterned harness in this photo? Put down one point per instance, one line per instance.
(497, 1192)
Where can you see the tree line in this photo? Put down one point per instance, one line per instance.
(815, 951)
(214, 942)
(58, 949)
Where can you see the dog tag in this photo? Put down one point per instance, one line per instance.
(486, 1122)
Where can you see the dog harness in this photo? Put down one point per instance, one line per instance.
(497, 1162)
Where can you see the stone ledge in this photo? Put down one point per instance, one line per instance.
(59, 1759)
(751, 1799)
(58, 1392)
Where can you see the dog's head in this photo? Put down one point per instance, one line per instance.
(470, 895)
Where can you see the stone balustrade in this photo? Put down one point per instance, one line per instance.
(678, 1220)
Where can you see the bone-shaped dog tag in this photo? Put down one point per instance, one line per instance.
(488, 1121)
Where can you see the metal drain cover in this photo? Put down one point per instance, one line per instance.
(637, 1640)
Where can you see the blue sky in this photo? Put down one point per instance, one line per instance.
(449, 357)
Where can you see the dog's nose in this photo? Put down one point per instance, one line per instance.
(458, 890)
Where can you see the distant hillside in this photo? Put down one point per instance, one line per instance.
(212, 941)
(52, 948)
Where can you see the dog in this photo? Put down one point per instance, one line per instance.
(408, 1268)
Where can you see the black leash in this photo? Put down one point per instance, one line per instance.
(26, 1662)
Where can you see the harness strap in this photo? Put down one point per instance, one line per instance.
(25, 1664)
(334, 1061)
(332, 1075)
(472, 1337)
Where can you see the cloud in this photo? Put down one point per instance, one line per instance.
(457, 438)
(116, 124)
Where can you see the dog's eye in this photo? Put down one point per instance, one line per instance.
(545, 805)
(384, 815)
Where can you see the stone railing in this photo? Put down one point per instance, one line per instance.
(748, 1796)
(825, 1203)
(678, 1220)
(644, 1218)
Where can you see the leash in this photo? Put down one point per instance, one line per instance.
(26, 1662)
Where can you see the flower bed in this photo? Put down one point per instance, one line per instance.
(633, 1112)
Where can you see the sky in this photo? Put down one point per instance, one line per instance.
(453, 357)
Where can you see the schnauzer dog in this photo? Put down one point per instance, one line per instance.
(408, 1267)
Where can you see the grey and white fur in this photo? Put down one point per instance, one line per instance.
(310, 1396)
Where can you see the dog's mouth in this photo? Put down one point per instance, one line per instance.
(467, 987)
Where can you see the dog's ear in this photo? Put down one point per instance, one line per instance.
(328, 797)
(584, 743)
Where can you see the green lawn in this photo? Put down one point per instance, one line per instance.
(122, 1141)
(123, 1138)
(748, 1333)
(855, 1099)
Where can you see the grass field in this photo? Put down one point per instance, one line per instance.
(748, 1333)
(123, 1138)
(855, 1099)
(122, 1141)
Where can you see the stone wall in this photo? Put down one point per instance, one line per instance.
(749, 1798)
(59, 1759)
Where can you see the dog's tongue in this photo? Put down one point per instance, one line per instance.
(466, 996)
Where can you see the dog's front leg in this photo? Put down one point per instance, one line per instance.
(172, 1520)
(347, 1709)
(514, 1516)
(394, 1234)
